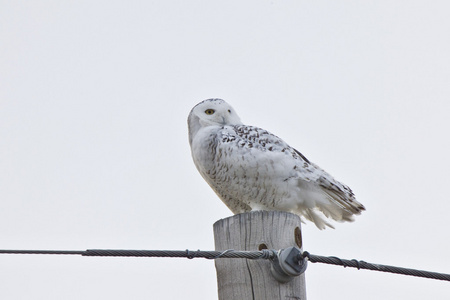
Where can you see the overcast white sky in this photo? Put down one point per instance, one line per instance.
(94, 97)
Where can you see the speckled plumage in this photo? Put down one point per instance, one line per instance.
(251, 169)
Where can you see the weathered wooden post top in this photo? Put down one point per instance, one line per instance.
(242, 279)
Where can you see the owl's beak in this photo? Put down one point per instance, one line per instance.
(223, 121)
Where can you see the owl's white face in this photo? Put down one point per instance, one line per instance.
(215, 112)
(211, 112)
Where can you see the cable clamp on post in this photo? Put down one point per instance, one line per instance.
(287, 264)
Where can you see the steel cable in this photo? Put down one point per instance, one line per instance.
(264, 254)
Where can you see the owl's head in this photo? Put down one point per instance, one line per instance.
(211, 112)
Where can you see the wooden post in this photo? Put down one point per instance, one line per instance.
(242, 279)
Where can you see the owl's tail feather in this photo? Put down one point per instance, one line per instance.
(335, 208)
(347, 203)
(313, 216)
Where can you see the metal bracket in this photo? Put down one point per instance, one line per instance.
(287, 265)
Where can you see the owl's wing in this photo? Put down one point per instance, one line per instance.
(256, 149)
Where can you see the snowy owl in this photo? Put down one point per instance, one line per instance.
(250, 169)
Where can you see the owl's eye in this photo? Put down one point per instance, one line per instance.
(229, 111)
(209, 111)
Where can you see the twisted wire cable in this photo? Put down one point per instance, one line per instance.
(360, 264)
(264, 254)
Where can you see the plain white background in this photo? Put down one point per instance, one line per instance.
(94, 97)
